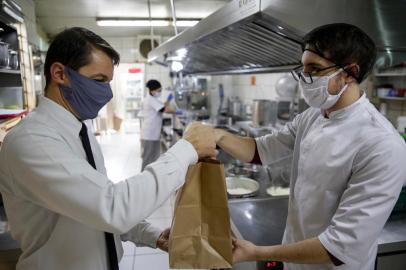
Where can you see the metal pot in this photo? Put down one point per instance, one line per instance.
(235, 107)
(13, 59)
(264, 112)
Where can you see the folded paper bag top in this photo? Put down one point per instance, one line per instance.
(201, 235)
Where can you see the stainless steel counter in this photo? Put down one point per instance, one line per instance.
(262, 222)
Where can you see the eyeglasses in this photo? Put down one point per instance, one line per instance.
(306, 77)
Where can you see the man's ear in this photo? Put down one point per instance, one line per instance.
(57, 71)
(352, 71)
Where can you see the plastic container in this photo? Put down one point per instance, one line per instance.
(401, 124)
(383, 92)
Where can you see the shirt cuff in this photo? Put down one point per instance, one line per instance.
(184, 152)
(150, 237)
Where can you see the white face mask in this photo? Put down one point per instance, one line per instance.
(157, 94)
(316, 94)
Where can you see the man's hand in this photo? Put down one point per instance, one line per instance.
(243, 251)
(218, 134)
(163, 240)
(202, 138)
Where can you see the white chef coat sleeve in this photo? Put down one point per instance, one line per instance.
(45, 171)
(372, 191)
(279, 143)
(156, 104)
(143, 234)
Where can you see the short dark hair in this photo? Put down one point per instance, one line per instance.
(153, 85)
(73, 46)
(343, 44)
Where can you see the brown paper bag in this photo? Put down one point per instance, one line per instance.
(201, 235)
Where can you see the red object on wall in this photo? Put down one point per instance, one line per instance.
(134, 70)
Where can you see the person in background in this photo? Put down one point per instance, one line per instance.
(348, 161)
(153, 109)
(61, 207)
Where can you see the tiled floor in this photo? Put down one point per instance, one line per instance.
(122, 157)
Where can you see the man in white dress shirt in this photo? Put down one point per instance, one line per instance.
(348, 161)
(61, 207)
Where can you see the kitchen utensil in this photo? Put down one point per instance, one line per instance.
(264, 112)
(245, 170)
(241, 187)
(238, 171)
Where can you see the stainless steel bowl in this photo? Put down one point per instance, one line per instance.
(241, 187)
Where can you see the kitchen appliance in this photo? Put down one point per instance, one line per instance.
(4, 54)
(235, 107)
(241, 187)
(253, 36)
(198, 100)
(284, 110)
(264, 112)
(13, 59)
(286, 87)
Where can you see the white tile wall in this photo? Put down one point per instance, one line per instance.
(240, 85)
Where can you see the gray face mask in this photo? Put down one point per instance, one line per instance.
(85, 96)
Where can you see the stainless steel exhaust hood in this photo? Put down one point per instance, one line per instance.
(253, 36)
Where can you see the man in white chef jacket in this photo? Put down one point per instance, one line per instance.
(59, 207)
(348, 160)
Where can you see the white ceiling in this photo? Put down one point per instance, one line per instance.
(55, 15)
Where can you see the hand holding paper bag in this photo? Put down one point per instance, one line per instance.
(202, 138)
(201, 235)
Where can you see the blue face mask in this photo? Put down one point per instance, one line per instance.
(85, 96)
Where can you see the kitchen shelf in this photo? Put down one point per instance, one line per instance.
(9, 71)
(8, 123)
(393, 98)
(391, 75)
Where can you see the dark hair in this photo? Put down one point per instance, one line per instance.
(153, 85)
(343, 44)
(73, 46)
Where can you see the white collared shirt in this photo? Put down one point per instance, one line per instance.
(59, 207)
(347, 173)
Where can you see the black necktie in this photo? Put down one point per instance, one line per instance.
(111, 247)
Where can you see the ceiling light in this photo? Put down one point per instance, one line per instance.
(176, 66)
(181, 52)
(186, 23)
(129, 23)
(144, 22)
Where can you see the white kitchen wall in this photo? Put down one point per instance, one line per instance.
(128, 49)
(240, 85)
